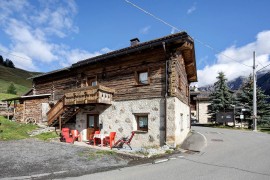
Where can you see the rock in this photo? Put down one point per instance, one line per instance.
(127, 120)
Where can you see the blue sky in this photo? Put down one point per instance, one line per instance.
(44, 35)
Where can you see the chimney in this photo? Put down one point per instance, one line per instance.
(134, 42)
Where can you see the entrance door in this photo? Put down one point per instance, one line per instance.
(92, 125)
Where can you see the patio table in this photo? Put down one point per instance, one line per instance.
(99, 136)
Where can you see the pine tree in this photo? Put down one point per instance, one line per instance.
(220, 98)
(1, 60)
(11, 89)
(245, 99)
(9, 63)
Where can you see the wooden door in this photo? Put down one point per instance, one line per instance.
(92, 125)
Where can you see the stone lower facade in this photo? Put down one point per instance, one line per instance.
(178, 121)
(121, 118)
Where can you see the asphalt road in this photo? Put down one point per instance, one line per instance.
(224, 154)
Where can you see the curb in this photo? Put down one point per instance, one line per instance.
(160, 161)
(167, 159)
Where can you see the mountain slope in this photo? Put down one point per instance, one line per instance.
(263, 81)
(16, 76)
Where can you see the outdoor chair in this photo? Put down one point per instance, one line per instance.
(65, 136)
(124, 140)
(91, 138)
(75, 134)
(110, 139)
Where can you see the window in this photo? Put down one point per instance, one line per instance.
(143, 78)
(142, 122)
(181, 122)
(91, 82)
(187, 91)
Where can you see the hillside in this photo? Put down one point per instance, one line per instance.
(18, 77)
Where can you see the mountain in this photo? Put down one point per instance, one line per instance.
(263, 81)
(16, 76)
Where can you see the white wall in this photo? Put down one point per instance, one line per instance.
(202, 111)
(177, 129)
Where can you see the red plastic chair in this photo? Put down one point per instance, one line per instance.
(124, 140)
(75, 134)
(110, 139)
(66, 136)
(94, 139)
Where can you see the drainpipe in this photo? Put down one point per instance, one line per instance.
(166, 92)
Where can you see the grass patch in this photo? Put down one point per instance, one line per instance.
(14, 131)
(168, 151)
(91, 155)
(19, 77)
(6, 96)
(266, 130)
(103, 152)
(46, 136)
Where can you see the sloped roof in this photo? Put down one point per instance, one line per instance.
(173, 38)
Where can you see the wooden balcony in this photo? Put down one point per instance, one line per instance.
(89, 95)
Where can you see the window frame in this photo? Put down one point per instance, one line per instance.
(90, 80)
(137, 77)
(138, 116)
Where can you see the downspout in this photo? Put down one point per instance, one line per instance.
(166, 92)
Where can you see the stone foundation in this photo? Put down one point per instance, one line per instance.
(121, 118)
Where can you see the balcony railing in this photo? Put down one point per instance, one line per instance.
(89, 95)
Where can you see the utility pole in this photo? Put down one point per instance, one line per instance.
(254, 95)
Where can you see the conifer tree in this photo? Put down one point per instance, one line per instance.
(11, 89)
(220, 98)
(9, 63)
(1, 60)
(245, 99)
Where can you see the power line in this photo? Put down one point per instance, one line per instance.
(14, 55)
(263, 76)
(166, 23)
(263, 67)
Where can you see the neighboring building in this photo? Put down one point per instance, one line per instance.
(142, 88)
(200, 104)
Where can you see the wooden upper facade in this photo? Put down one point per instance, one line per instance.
(117, 75)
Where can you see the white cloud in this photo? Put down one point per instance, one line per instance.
(145, 30)
(240, 55)
(32, 30)
(20, 60)
(192, 9)
(173, 30)
(70, 56)
(26, 40)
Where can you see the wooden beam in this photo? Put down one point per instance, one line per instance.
(188, 64)
(60, 122)
(186, 46)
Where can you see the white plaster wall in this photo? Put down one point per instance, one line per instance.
(177, 130)
(202, 112)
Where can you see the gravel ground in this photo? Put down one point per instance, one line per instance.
(35, 159)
